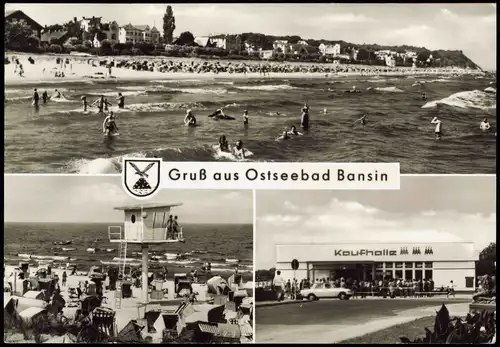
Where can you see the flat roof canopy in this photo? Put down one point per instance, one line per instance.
(147, 206)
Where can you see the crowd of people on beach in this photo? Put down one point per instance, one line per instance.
(264, 68)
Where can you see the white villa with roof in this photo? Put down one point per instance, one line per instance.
(139, 33)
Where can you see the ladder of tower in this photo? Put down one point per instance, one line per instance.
(123, 256)
(118, 295)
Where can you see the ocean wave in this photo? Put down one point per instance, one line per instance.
(115, 93)
(18, 98)
(490, 90)
(389, 89)
(201, 90)
(468, 99)
(113, 165)
(159, 107)
(376, 81)
(268, 87)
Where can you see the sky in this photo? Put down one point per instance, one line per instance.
(91, 199)
(467, 27)
(437, 209)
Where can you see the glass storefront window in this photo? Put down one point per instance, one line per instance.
(399, 274)
(428, 265)
(379, 275)
(379, 265)
(389, 265)
(418, 274)
(408, 274)
(409, 265)
(399, 265)
(419, 265)
(428, 274)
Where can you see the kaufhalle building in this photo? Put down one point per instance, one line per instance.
(442, 262)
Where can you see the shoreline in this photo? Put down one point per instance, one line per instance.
(82, 72)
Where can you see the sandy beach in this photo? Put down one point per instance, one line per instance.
(42, 71)
(130, 307)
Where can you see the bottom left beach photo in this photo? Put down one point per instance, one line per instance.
(86, 263)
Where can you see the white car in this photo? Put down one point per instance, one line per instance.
(325, 290)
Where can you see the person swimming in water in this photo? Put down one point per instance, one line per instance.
(84, 103)
(424, 97)
(106, 105)
(109, 125)
(362, 120)
(485, 125)
(284, 136)
(238, 150)
(100, 104)
(45, 97)
(219, 113)
(57, 95)
(36, 98)
(293, 131)
(245, 117)
(190, 119)
(437, 130)
(121, 100)
(223, 144)
(304, 119)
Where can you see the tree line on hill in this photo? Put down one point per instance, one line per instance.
(18, 37)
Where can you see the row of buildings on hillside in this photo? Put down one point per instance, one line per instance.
(93, 29)
(96, 29)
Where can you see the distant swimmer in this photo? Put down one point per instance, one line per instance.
(106, 105)
(304, 120)
(362, 120)
(100, 104)
(283, 136)
(424, 97)
(36, 98)
(84, 103)
(121, 100)
(223, 144)
(245, 117)
(485, 125)
(45, 97)
(109, 125)
(325, 111)
(238, 150)
(293, 131)
(190, 119)
(57, 95)
(437, 130)
(353, 90)
(219, 114)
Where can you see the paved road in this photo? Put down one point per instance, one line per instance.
(298, 322)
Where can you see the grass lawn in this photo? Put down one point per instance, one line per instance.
(391, 335)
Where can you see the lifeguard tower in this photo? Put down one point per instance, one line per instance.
(144, 224)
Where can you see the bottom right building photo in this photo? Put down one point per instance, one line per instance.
(416, 265)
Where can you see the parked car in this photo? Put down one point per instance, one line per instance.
(325, 290)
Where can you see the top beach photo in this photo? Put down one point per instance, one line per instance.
(89, 84)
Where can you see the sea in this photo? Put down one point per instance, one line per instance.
(60, 138)
(224, 246)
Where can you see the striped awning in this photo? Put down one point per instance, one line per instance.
(208, 328)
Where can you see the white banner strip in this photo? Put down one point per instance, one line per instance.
(293, 176)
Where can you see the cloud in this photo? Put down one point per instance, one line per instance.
(344, 221)
(346, 18)
(108, 193)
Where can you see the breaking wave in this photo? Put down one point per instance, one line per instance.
(469, 99)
